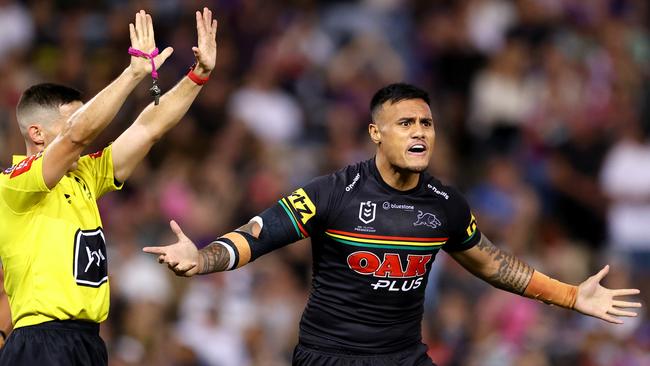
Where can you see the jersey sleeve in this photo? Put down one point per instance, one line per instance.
(295, 216)
(23, 185)
(463, 230)
(99, 167)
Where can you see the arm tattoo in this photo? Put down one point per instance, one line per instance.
(512, 274)
(214, 258)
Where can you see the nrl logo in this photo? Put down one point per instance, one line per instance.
(367, 212)
(425, 218)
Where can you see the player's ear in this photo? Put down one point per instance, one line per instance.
(375, 134)
(36, 134)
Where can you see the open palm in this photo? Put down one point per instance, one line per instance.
(598, 301)
(206, 49)
(142, 39)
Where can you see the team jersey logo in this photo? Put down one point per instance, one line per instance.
(367, 211)
(90, 267)
(390, 269)
(427, 219)
(303, 206)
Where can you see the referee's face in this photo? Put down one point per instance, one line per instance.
(404, 134)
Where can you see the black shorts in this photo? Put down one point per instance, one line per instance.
(55, 343)
(315, 356)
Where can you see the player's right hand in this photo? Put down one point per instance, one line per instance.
(142, 38)
(181, 257)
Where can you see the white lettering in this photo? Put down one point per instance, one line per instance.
(406, 285)
(438, 192)
(354, 181)
(380, 284)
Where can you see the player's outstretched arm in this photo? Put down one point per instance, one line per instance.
(131, 147)
(186, 260)
(89, 120)
(505, 271)
(272, 229)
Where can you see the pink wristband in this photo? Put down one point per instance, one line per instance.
(154, 53)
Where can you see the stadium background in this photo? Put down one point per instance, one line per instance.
(541, 115)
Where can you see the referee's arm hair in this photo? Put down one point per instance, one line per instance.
(88, 121)
(505, 271)
(132, 145)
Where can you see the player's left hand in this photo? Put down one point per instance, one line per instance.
(206, 49)
(598, 301)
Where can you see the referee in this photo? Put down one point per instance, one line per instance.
(52, 244)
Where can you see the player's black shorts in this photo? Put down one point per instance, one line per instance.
(55, 343)
(315, 356)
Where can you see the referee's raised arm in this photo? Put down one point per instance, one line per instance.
(82, 123)
(160, 116)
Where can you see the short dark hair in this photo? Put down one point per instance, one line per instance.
(47, 95)
(396, 93)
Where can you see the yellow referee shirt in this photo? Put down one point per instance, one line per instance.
(51, 241)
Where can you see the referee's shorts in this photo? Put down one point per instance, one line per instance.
(55, 343)
(308, 355)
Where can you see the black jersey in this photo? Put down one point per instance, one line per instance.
(373, 247)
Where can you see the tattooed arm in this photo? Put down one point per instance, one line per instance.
(505, 271)
(229, 251)
(497, 267)
(219, 255)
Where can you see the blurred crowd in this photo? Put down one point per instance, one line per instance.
(542, 115)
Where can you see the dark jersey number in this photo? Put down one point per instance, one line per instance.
(90, 267)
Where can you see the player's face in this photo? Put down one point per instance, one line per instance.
(404, 134)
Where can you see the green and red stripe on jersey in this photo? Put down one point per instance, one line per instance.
(385, 241)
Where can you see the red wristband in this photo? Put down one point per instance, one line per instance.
(195, 78)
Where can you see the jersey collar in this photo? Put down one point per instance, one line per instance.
(375, 172)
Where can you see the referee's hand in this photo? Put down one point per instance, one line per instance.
(181, 257)
(142, 38)
(206, 49)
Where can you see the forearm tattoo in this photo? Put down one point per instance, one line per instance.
(214, 258)
(512, 274)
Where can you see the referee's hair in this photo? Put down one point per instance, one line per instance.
(43, 98)
(396, 93)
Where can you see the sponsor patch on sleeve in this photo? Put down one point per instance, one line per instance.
(23, 166)
(302, 205)
(97, 154)
(471, 228)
